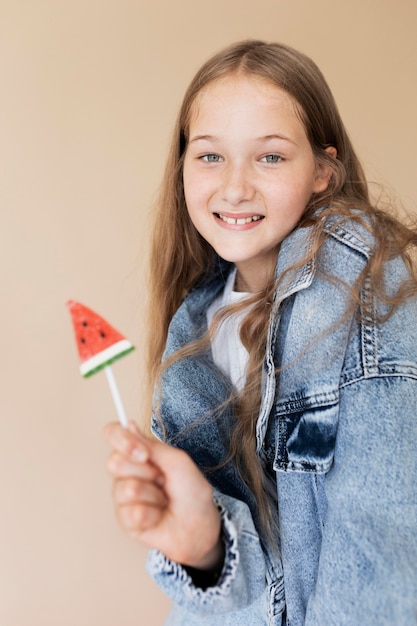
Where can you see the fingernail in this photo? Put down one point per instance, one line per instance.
(139, 454)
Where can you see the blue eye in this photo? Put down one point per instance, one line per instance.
(271, 158)
(211, 158)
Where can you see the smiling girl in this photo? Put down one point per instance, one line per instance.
(249, 172)
(283, 354)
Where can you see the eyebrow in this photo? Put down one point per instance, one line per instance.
(259, 139)
(280, 137)
(203, 137)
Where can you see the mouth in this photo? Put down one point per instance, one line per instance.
(239, 221)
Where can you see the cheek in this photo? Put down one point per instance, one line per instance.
(189, 183)
(191, 195)
(304, 184)
(197, 189)
(190, 200)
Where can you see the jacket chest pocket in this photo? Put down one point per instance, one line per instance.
(305, 432)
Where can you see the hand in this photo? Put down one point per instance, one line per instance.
(162, 499)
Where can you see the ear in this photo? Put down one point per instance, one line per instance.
(324, 172)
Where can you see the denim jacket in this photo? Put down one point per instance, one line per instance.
(337, 431)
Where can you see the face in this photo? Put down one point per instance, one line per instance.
(249, 173)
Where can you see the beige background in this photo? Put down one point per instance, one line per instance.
(88, 93)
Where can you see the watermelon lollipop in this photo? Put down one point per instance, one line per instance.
(99, 345)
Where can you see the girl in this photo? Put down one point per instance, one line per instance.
(283, 350)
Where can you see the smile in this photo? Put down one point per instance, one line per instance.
(239, 220)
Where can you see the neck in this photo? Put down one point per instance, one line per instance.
(241, 284)
(253, 279)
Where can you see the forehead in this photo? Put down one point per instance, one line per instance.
(242, 95)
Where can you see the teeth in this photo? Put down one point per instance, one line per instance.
(240, 220)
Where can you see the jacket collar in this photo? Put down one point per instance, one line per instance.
(293, 250)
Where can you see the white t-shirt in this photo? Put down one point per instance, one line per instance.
(229, 354)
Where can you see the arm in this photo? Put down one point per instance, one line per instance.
(163, 501)
(367, 571)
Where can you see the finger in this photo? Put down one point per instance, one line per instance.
(136, 519)
(176, 465)
(134, 428)
(120, 467)
(127, 443)
(137, 491)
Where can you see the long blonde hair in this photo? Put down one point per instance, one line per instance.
(180, 256)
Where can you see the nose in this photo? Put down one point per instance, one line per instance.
(237, 186)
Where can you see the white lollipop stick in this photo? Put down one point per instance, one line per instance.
(116, 396)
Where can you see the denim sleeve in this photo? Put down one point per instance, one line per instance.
(242, 579)
(367, 571)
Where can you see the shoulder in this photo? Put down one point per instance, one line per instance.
(353, 230)
(332, 245)
(189, 322)
(205, 291)
(350, 241)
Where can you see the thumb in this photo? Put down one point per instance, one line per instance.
(161, 454)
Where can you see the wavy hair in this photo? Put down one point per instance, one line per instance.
(180, 256)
